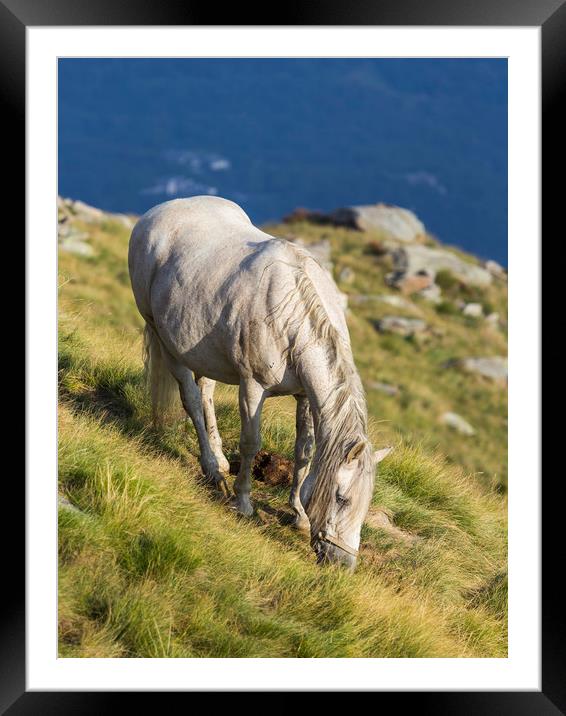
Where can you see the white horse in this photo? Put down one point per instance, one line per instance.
(225, 301)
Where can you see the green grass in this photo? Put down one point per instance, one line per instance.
(155, 565)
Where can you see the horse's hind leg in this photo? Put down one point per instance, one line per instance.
(191, 399)
(206, 386)
(304, 448)
(251, 397)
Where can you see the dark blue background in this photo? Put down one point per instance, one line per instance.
(275, 134)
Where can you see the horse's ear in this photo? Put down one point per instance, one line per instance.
(355, 451)
(380, 454)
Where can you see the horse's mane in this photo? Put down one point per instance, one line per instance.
(343, 419)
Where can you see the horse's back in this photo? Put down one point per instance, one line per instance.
(198, 223)
(207, 280)
(182, 238)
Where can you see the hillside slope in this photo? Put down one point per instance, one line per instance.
(152, 564)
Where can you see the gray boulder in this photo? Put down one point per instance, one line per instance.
(76, 246)
(494, 368)
(422, 260)
(398, 223)
(473, 310)
(401, 326)
(71, 240)
(457, 422)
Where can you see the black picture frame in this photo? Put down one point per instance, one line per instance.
(550, 15)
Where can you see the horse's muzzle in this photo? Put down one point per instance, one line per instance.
(327, 553)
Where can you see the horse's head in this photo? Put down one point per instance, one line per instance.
(339, 503)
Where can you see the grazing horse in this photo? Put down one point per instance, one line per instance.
(224, 301)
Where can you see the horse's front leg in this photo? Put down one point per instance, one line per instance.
(304, 448)
(251, 397)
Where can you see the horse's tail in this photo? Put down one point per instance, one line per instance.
(163, 388)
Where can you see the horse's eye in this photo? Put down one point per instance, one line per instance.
(341, 500)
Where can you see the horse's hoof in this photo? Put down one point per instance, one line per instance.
(242, 507)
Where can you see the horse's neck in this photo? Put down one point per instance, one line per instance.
(321, 378)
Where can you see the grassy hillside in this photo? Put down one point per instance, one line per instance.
(153, 564)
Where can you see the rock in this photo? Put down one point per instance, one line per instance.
(432, 293)
(401, 326)
(72, 245)
(400, 224)
(496, 270)
(71, 240)
(392, 390)
(85, 211)
(457, 422)
(346, 275)
(473, 310)
(494, 368)
(422, 260)
(67, 231)
(69, 209)
(390, 299)
(409, 283)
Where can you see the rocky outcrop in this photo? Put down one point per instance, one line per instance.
(393, 221)
(422, 261)
(71, 240)
(89, 214)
